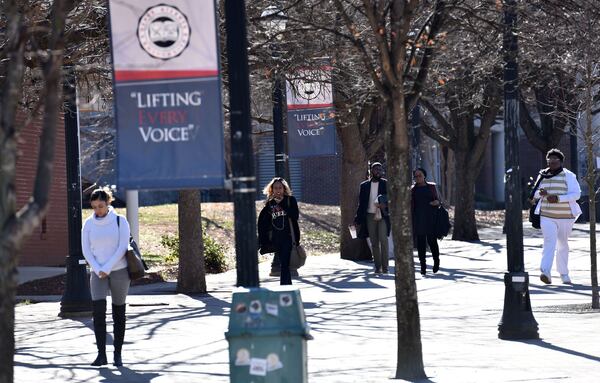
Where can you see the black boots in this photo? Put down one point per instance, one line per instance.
(423, 265)
(118, 314)
(436, 264)
(99, 315)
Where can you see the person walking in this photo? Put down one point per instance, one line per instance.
(556, 203)
(104, 241)
(276, 221)
(424, 201)
(372, 216)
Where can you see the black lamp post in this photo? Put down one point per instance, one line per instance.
(517, 318)
(76, 300)
(242, 155)
(275, 25)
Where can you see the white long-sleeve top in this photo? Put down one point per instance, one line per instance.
(104, 242)
(571, 196)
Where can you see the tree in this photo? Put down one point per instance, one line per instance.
(462, 102)
(386, 51)
(191, 275)
(19, 39)
(567, 64)
(576, 53)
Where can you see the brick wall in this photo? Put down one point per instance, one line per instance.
(321, 180)
(48, 245)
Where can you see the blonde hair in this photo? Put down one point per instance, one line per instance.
(102, 194)
(268, 190)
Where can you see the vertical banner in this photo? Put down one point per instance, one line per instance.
(167, 94)
(311, 116)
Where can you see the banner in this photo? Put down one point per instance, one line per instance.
(167, 94)
(311, 116)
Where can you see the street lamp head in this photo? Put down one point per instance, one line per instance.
(275, 21)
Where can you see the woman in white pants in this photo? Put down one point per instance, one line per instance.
(557, 206)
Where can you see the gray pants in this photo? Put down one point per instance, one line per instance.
(117, 282)
(379, 242)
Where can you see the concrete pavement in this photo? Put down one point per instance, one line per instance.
(177, 338)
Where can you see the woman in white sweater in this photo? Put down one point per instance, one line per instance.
(104, 241)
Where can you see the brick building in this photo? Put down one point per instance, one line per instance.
(48, 244)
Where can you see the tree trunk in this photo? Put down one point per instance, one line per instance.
(354, 168)
(591, 184)
(593, 252)
(465, 226)
(410, 354)
(8, 288)
(191, 276)
(15, 228)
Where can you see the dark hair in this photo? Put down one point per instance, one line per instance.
(557, 153)
(420, 170)
(376, 164)
(102, 194)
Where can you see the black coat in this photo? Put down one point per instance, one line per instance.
(266, 241)
(363, 204)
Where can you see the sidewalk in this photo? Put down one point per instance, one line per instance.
(177, 338)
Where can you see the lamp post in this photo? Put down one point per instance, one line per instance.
(76, 300)
(242, 155)
(517, 319)
(275, 25)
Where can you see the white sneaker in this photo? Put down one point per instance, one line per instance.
(565, 279)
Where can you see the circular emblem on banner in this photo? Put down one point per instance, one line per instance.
(164, 31)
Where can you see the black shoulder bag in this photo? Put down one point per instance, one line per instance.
(534, 218)
(136, 266)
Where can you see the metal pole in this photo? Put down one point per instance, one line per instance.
(133, 216)
(76, 300)
(278, 136)
(517, 319)
(242, 155)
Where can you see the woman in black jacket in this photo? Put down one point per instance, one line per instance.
(276, 220)
(424, 200)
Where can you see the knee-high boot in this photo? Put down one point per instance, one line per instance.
(99, 315)
(118, 314)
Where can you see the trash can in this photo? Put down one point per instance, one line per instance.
(267, 336)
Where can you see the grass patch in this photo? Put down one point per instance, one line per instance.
(319, 226)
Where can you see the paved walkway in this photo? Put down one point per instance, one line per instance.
(178, 338)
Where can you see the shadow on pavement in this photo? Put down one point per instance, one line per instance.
(551, 346)
(124, 374)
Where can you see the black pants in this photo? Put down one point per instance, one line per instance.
(284, 246)
(422, 247)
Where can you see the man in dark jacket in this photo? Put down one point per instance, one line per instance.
(372, 216)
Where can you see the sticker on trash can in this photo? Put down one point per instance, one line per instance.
(273, 362)
(272, 309)
(258, 367)
(255, 307)
(242, 357)
(285, 300)
(240, 308)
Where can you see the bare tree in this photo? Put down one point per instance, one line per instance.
(383, 48)
(15, 224)
(572, 51)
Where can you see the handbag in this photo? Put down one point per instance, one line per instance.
(298, 254)
(136, 266)
(441, 222)
(533, 217)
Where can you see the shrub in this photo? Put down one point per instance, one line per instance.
(214, 253)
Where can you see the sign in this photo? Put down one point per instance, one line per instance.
(167, 93)
(311, 116)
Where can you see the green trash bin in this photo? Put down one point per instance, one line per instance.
(267, 336)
